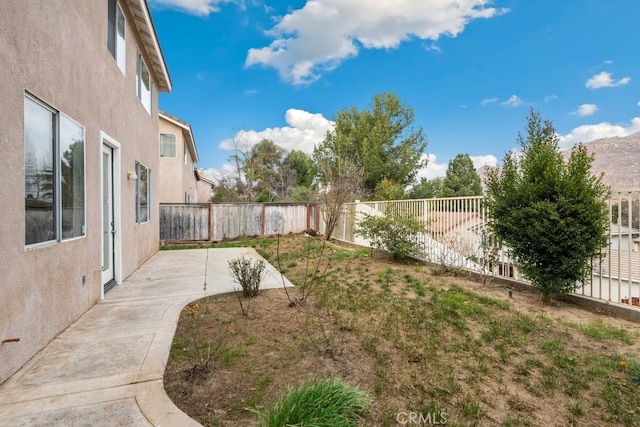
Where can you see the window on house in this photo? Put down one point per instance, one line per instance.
(143, 193)
(54, 175)
(167, 145)
(186, 152)
(115, 34)
(144, 85)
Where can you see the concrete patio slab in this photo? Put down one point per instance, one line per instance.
(106, 368)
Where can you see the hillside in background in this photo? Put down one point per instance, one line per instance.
(617, 157)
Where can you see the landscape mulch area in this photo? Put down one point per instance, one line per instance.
(436, 347)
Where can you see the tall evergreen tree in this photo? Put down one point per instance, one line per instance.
(381, 142)
(426, 189)
(551, 214)
(461, 179)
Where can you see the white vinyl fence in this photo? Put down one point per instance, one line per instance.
(458, 237)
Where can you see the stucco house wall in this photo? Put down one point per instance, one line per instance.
(60, 57)
(204, 188)
(177, 180)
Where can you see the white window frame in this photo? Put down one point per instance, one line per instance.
(140, 169)
(174, 144)
(116, 34)
(145, 96)
(57, 201)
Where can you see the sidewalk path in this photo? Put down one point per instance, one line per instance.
(106, 368)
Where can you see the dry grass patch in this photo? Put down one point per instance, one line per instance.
(437, 346)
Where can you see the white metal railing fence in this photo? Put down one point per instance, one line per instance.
(458, 236)
(616, 275)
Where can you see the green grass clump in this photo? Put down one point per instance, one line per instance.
(634, 373)
(602, 331)
(319, 403)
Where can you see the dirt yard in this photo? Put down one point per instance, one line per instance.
(422, 344)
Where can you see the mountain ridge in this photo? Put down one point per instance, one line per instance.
(617, 158)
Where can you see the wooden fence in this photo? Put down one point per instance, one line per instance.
(184, 222)
(215, 222)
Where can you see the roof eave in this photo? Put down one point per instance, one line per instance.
(186, 132)
(147, 32)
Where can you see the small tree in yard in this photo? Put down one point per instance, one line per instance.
(551, 214)
(249, 275)
(343, 181)
(394, 232)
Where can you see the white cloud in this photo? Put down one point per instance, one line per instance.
(486, 160)
(305, 130)
(195, 7)
(488, 101)
(586, 110)
(588, 133)
(226, 171)
(604, 80)
(550, 98)
(513, 101)
(638, 103)
(433, 47)
(435, 169)
(323, 33)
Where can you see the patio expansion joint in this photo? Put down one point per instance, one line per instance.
(135, 392)
(25, 391)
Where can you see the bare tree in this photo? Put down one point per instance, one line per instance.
(287, 180)
(343, 181)
(240, 161)
(224, 189)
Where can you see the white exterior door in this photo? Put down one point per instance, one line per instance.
(108, 223)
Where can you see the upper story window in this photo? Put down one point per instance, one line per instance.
(167, 145)
(116, 34)
(54, 196)
(144, 85)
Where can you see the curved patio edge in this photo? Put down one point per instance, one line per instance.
(110, 363)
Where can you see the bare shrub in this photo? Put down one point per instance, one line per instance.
(248, 273)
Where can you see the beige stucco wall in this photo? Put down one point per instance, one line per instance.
(204, 191)
(176, 176)
(60, 56)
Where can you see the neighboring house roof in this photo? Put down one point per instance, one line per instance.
(622, 230)
(147, 31)
(186, 132)
(201, 177)
(444, 222)
(619, 264)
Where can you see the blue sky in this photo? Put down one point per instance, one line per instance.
(245, 70)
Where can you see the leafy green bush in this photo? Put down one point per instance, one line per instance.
(395, 232)
(248, 274)
(319, 403)
(549, 212)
